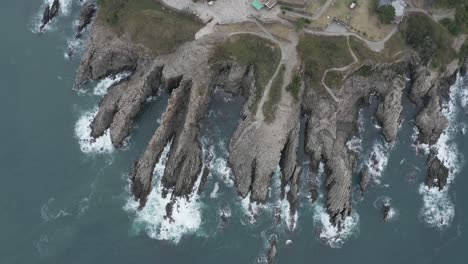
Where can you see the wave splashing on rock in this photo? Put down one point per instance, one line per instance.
(186, 217)
(88, 144)
(64, 10)
(331, 235)
(438, 209)
(377, 160)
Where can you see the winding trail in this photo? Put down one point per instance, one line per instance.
(340, 69)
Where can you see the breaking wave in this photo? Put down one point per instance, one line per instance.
(328, 233)
(377, 160)
(104, 85)
(438, 209)
(65, 9)
(186, 217)
(331, 235)
(88, 144)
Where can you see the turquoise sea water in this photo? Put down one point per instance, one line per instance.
(65, 200)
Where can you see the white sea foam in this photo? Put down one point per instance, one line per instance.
(102, 87)
(332, 235)
(384, 201)
(223, 171)
(87, 143)
(65, 8)
(419, 147)
(48, 214)
(354, 144)
(290, 220)
(377, 160)
(438, 209)
(186, 215)
(214, 193)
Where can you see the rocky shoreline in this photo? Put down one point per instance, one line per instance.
(257, 148)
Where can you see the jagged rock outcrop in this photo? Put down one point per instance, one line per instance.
(365, 179)
(390, 108)
(255, 150)
(50, 12)
(386, 210)
(86, 14)
(107, 54)
(430, 90)
(272, 251)
(124, 101)
(438, 173)
(332, 124)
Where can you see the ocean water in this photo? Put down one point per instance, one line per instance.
(64, 198)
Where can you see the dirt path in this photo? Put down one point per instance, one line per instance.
(289, 60)
(340, 69)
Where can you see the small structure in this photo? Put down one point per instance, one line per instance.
(257, 4)
(353, 5)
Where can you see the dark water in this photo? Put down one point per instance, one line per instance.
(59, 204)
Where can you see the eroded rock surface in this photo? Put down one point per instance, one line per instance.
(86, 14)
(50, 12)
(331, 125)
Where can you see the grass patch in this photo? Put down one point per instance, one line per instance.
(334, 80)
(274, 96)
(321, 53)
(430, 39)
(295, 86)
(393, 46)
(251, 50)
(147, 22)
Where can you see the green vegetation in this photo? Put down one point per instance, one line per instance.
(274, 96)
(322, 53)
(393, 47)
(430, 39)
(334, 80)
(386, 13)
(147, 22)
(463, 51)
(458, 25)
(251, 50)
(301, 23)
(295, 86)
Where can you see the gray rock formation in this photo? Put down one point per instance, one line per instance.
(107, 54)
(86, 14)
(50, 12)
(272, 251)
(430, 90)
(365, 179)
(332, 124)
(386, 209)
(437, 174)
(256, 148)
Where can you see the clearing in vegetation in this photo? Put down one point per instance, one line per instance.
(149, 23)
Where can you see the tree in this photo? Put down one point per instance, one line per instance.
(386, 13)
